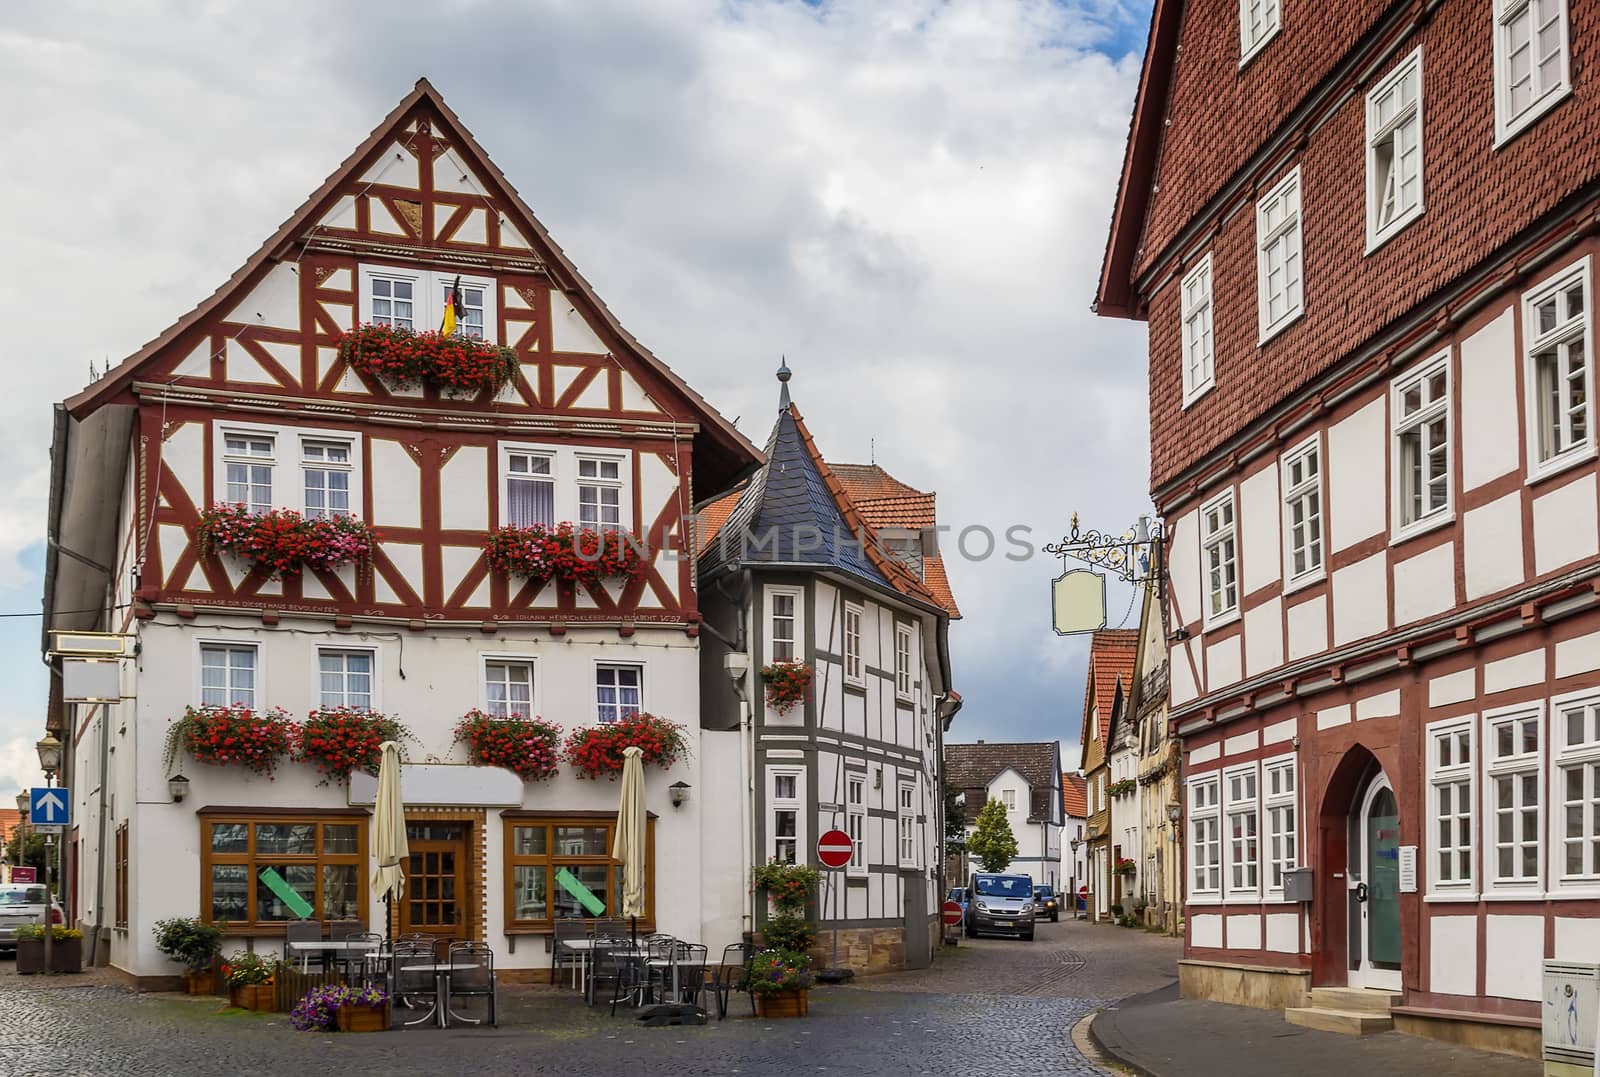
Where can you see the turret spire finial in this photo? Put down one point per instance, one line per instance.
(784, 375)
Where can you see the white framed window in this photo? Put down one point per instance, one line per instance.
(1556, 334)
(1205, 839)
(1008, 797)
(508, 684)
(1220, 555)
(1394, 151)
(907, 819)
(530, 488)
(785, 624)
(247, 459)
(1532, 68)
(852, 645)
(1420, 407)
(1302, 513)
(902, 661)
(786, 801)
(1243, 814)
(855, 822)
(1278, 256)
(1512, 775)
(326, 468)
(600, 493)
(1259, 21)
(1279, 803)
(1575, 789)
(619, 691)
(228, 674)
(1451, 798)
(345, 677)
(408, 298)
(1198, 360)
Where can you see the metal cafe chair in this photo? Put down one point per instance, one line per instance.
(358, 965)
(415, 983)
(733, 974)
(687, 974)
(567, 929)
(620, 967)
(475, 982)
(304, 931)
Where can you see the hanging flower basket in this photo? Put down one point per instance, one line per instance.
(282, 541)
(407, 357)
(1125, 866)
(341, 740)
(232, 737)
(564, 552)
(528, 747)
(1122, 788)
(788, 684)
(596, 751)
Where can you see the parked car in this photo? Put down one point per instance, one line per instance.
(958, 894)
(22, 903)
(1000, 902)
(1047, 902)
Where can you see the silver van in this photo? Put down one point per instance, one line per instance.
(997, 901)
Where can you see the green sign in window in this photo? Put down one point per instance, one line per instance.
(285, 893)
(585, 897)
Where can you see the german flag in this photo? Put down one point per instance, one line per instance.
(452, 308)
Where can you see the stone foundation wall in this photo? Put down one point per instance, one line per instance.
(1262, 987)
(1480, 1035)
(863, 949)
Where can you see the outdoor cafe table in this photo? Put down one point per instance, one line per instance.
(584, 948)
(343, 946)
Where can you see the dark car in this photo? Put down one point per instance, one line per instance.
(1047, 902)
(958, 894)
(1000, 902)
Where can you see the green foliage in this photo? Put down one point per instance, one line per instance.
(188, 940)
(955, 821)
(992, 841)
(789, 886)
(789, 933)
(35, 932)
(27, 851)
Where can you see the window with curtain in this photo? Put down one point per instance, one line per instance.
(248, 460)
(248, 864)
(326, 468)
(508, 687)
(619, 690)
(346, 678)
(530, 489)
(227, 675)
(552, 861)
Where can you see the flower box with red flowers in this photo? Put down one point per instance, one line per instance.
(528, 747)
(405, 357)
(342, 740)
(788, 684)
(233, 736)
(1125, 866)
(564, 552)
(282, 541)
(596, 751)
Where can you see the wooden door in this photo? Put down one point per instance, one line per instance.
(437, 887)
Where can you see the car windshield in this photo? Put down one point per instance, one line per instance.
(1043, 891)
(1010, 886)
(33, 895)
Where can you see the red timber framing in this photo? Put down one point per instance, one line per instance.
(419, 194)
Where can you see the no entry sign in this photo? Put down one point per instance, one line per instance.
(952, 913)
(835, 848)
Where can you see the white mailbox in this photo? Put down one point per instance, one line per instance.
(1571, 1007)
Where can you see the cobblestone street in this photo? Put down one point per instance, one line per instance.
(989, 1007)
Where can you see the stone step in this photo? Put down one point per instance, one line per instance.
(1363, 999)
(1348, 1022)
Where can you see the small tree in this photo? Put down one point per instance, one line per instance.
(955, 821)
(992, 841)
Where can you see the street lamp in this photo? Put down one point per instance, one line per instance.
(49, 750)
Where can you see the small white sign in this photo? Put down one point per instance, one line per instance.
(444, 784)
(1408, 869)
(47, 829)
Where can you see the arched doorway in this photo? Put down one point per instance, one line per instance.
(1373, 874)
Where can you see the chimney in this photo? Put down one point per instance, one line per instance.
(980, 741)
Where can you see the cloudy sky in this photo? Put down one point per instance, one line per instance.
(907, 198)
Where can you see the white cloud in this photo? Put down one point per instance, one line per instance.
(908, 198)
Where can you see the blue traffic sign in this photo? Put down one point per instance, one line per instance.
(49, 806)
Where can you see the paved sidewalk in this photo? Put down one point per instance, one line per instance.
(1162, 1035)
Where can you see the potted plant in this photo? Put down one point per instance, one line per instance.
(30, 949)
(781, 980)
(528, 747)
(341, 740)
(788, 684)
(66, 949)
(194, 943)
(335, 1007)
(789, 887)
(235, 736)
(1125, 866)
(597, 750)
(249, 980)
(282, 542)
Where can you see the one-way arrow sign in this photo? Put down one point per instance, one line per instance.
(49, 804)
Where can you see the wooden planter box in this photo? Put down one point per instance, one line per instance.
(199, 982)
(259, 997)
(66, 955)
(363, 1018)
(30, 957)
(783, 1004)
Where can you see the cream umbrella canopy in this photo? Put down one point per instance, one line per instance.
(628, 845)
(389, 831)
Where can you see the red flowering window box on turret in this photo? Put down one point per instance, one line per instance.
(231, 737)
(406, 357)
(564, 552)
(282, 541)
(596, 751)
(788, 684)
(342, 740)
(528, 747)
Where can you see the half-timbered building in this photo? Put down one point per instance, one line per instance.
(249, 400)
(832, 570)
(1363, 238)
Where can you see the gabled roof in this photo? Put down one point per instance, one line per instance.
(737, 451)
(1112, 652)
(1075, 795)
(974, 766)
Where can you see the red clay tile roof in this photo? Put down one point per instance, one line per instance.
(715, 513)
(869, 482)
(1075, 795)
(1112, 652)
(933, 575)
(971, 767)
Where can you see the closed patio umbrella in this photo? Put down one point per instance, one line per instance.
(389, 833)
(628, 845)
